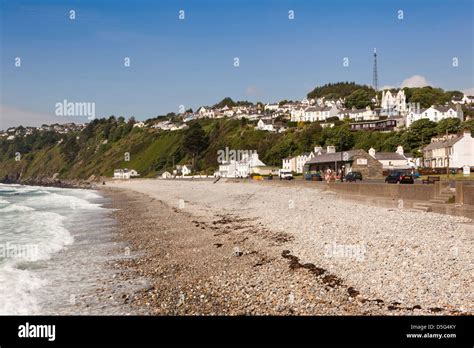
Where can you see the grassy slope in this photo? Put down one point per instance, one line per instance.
(150, 151)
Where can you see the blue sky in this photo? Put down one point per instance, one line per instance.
(190, 62)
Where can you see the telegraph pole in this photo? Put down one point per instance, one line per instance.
(447, 157)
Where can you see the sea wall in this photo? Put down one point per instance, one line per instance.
(465, 193)
(392, 191)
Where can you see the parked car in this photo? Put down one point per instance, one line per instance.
(285, 175)
(313, 177)
(400, 177)
(353, 176)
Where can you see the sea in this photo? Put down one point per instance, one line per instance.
(55, 246)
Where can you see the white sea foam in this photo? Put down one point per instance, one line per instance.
(34, 224)
(16, 289)
(59, 201)
(15, 208)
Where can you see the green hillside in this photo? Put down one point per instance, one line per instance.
(103, 145)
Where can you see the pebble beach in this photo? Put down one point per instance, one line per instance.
(234, 248)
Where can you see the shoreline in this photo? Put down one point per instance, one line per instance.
(71, 270)
(91, 183)
(204, 260)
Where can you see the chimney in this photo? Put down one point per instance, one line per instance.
(331, 149)
(372, 152)
(317, 149)
(467, 133)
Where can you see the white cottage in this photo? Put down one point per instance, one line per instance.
(302, 159)
(393, 104)
(186, 169)
(392, 160)
(265, 125)
(455, 151)
(289, 163)
(203, 112)
(435, 114)
(240, 169)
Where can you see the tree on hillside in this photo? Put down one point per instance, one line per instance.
(195, 140)
(227, 101)
(282, 149)
(467, 111)
(469, 125)
(339, 136)
(338, 90)
(366, 139)
(392, 140)
(427, 96)
(310, 135)
(451, 125)
(70, 148)
(419, 134)
(116, 133)
(450, 94)
(359, 99)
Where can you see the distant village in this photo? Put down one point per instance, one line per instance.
(391, 113)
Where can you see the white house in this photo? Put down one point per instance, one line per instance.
(434, 113)
(121, 174)
(297, 114)
(392, 160)
(240, 169)
(306, 102)
(203, 112)
(466, 99)
(455, 151)
(313, 113)
(393, 104)
(301, 161)
(139, 125)
(289, 163)
(271, 107)
(189, 117)
(366, 114)
(125, 173)
(186, 169)
(316, 113)
(228, 113)
(265, 125)
(166, 175)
